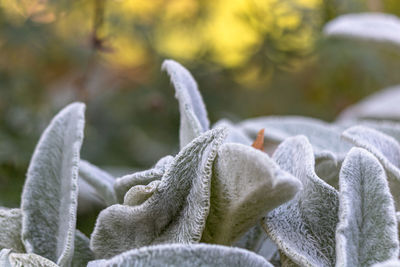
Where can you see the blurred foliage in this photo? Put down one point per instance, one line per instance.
(250, 58)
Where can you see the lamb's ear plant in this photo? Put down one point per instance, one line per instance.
(382, 105)
(176, 211)
(194, 119)
(46, 221)
(304, 228)
(246, 184)
(385, 148)
(377, 27)
(99, 180)
(367, 228)
(171, 255)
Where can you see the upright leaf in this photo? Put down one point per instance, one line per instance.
(175, 213)
(184, 256)
(10, 230)
(194, 119)
(246, 185)
(377, 27)
(367, 228)
(99, 180)
(385, 148)
(304, 228)
(49, 197)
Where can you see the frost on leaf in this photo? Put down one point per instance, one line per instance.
(194, 119)
(367, 228)
(175, 213)
(10, 230)
(385, 148)
(49, 197)
(378, 27)
(184, 255)
(304, 228)
(246, 184)
(383, 105)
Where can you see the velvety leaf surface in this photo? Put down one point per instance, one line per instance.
(382, 146)
(194, 119)
(124, 184)
(304, 228)
(246, 184)
(29, 260)
(382, 105)
(49, 197)
(10, 230)
(175, 212)
(235, 134)
(324, 137)
(256, 240)
(99, 180)
(184, 256)
(4, 257)
(389, 263)
(367, 228)
(367, 26)
(82, 252)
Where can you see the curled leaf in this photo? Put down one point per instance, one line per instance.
(385, 148)
(124, 184)
(49, 197)
(246, 184)
(176, 212)
(99, 180)
(304, 228)
(10, 230)
(184, 255)
(140, 193)
(378, 27)
(194, 119)
(367, 228)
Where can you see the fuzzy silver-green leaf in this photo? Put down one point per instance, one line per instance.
(385, 148)
(10, 230)
(246, 184)
(367, 228)
(184, 255)
(49, 197)
(304, 228)
(176, 212)
(194, 119)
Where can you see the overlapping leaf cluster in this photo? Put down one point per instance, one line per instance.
(325, 195)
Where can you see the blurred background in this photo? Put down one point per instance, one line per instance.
(249, 57)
